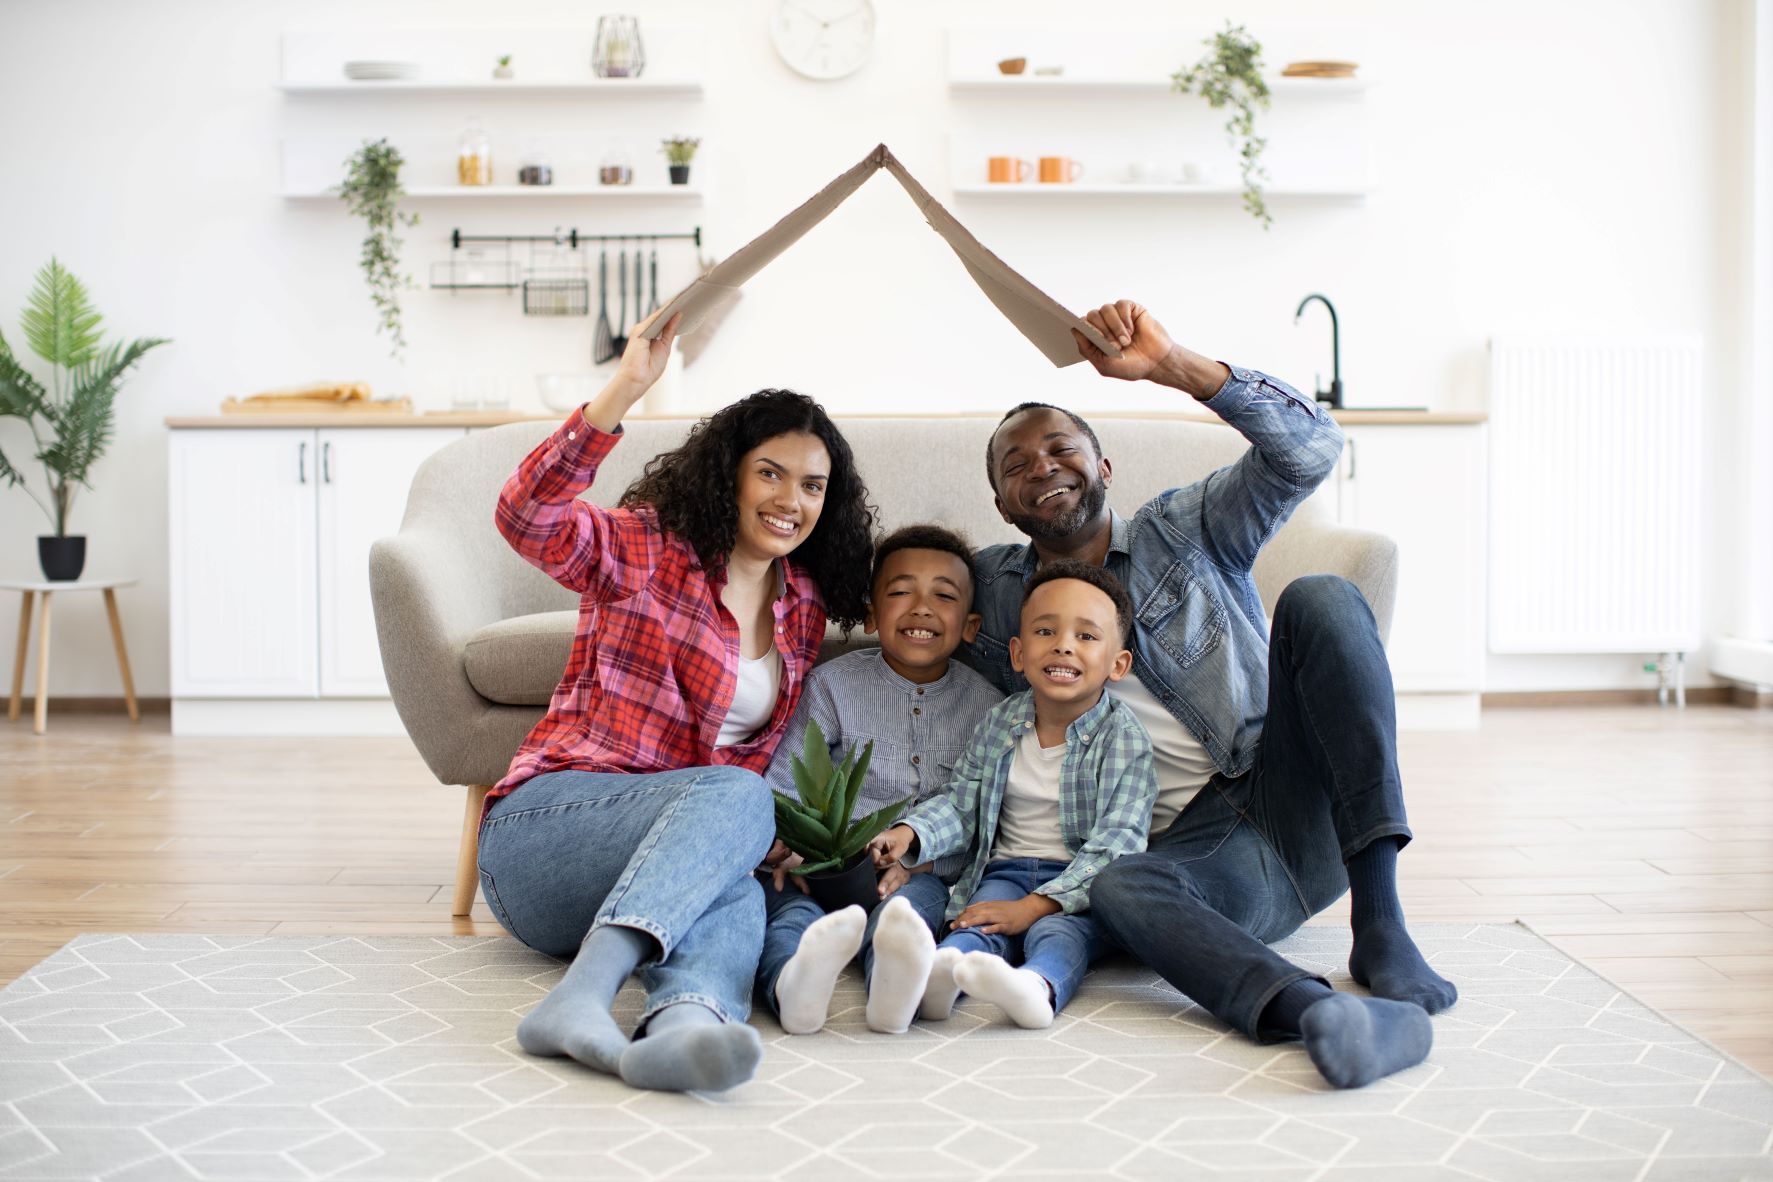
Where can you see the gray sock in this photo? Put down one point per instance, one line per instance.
(574, 1019)
(687, 1048)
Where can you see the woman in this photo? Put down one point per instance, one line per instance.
(634, 813)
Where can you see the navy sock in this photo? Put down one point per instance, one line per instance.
(1385, 959)
(1284, 1010)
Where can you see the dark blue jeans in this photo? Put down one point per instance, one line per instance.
(790, 913)
(1059, 947)
(1249, 860)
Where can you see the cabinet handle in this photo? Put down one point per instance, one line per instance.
(302, 462)
(326, 462)
(1351, 459)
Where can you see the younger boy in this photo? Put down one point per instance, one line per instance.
(918, 708)
(1057, 782)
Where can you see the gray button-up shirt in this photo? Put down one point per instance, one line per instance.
(918, 731)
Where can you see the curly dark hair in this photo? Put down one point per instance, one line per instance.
(1097, 577)
(694, 491)
(921, 537)
(991, 442)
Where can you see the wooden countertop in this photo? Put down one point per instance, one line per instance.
(492, 418)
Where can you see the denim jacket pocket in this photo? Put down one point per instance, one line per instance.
(1183, 616)
(993, 660)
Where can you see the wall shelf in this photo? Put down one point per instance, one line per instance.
(1031, 84)
(628, 87)
(683, 193)
(1034, 191)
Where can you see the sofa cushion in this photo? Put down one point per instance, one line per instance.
(519, 662)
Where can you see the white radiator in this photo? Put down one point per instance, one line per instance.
(1594, 496)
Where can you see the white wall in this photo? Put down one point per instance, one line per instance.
(1561, 166)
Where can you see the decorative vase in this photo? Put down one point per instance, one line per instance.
(679, 174)
(62, 558)
(618, 52)
(836, 889)
(504, 73)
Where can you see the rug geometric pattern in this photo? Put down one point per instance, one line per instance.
(132, 1058)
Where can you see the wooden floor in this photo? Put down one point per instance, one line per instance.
(1639, 840)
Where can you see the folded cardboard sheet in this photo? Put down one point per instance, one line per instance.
(1037, 315)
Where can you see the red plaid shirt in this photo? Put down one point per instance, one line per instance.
(655, 662)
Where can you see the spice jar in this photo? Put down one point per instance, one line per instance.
(474, 164)
(617, 167)
(534, 168)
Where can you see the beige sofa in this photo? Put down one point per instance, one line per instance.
(474, 639)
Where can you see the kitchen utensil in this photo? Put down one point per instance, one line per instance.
(653, 265)
(603, 343)
(620, 340)
(639, 313)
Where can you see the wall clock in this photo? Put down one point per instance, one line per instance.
(824, 39)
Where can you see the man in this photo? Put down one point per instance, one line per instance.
(1276, 758)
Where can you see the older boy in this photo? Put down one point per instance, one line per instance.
(918, 709)
(1057, 783)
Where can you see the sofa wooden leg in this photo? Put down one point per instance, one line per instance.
(467, 857)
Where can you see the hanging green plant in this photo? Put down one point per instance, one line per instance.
(371, 190)
(1231, 76)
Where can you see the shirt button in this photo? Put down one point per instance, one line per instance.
(917, 759)
(572, 434)
(917, 710)
(779, 629)
(920, 689)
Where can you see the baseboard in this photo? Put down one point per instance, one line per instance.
(75, 705)
(276, 716)
(1702, 695)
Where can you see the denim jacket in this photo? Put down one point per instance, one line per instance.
(1200, 638)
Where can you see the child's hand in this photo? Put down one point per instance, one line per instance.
(1008, 918)
(779, 861)
(892, 845)
(894, 877)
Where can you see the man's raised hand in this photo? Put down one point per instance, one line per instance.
(1143, 342)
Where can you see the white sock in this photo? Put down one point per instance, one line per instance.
(1020, 993)
(903, 950)
(803, 991)
(939, 995)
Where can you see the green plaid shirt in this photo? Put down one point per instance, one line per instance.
(1106, 788)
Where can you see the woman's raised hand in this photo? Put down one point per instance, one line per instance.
(642, 363)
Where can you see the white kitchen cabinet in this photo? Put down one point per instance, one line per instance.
(1424, 487)
(270, 536)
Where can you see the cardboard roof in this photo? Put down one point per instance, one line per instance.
(1035, 314)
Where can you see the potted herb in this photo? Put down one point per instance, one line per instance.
(679, 151)
(503, 70)
(371, 190)
(71, 418)
(819, 827)
(1231, 76)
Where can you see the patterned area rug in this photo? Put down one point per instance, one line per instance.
(163, 1056)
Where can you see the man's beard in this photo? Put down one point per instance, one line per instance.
(1047, 529)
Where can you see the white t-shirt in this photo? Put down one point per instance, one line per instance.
(760, 681)
(1028, 823)
(1182, 764)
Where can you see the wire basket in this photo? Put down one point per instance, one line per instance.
(557, 295)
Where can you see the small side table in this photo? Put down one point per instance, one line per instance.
(48, 591)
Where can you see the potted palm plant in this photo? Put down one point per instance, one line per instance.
(819, 826)
(72, 417)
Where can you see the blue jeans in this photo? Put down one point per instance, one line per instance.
(669, 854)
(1250, 859)
(790, 913)
(1059, 947)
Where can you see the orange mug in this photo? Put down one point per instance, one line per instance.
(1008, 170)
(1059, 170)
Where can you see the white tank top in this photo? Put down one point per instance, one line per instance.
(760, 681)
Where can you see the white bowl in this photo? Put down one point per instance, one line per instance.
(565, 391)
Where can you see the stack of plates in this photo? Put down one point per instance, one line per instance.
(1319, 70)
(375, 71)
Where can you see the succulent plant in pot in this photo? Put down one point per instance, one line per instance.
(820, 828)
(70, 417)
(679, 151)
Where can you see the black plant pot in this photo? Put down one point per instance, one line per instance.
(63, 558)
(836, 889)
(679, 174)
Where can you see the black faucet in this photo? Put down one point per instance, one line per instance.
(1333, 395)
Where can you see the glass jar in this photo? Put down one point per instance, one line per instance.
(474, 165)
(534, 168)
(617, 167)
